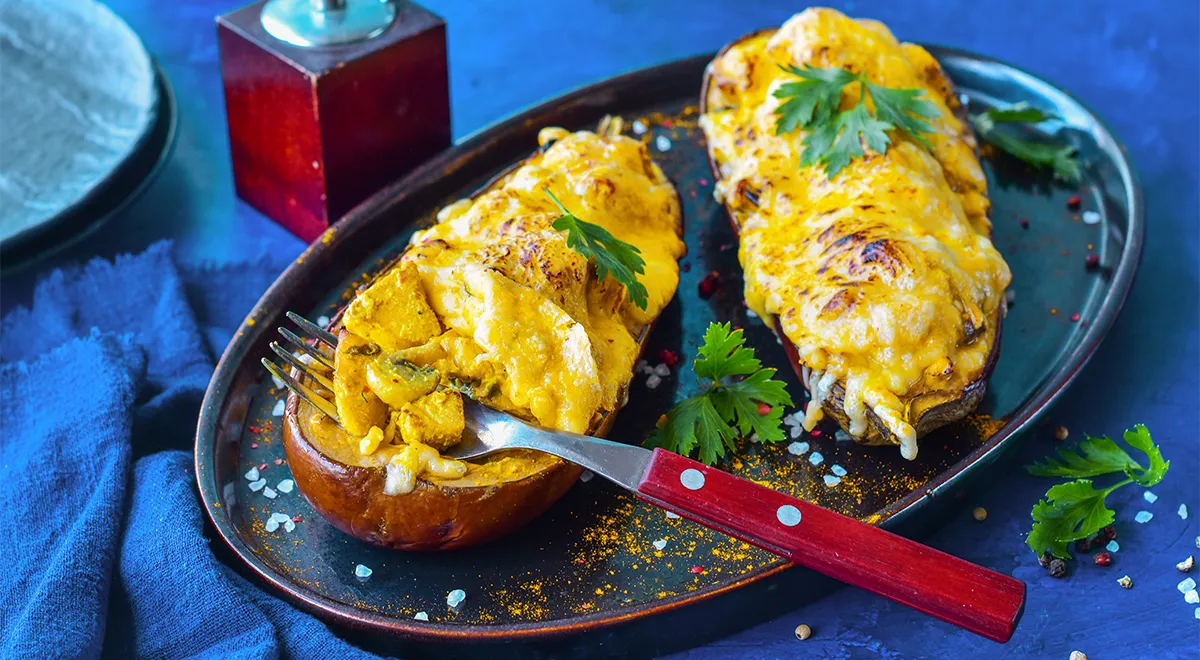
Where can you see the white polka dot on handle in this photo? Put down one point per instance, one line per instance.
(692, 479)
(788, 515)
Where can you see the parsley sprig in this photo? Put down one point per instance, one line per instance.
(728, 408)
(1076, 509)
(1061, 158)
(610, 255)
(836, 136)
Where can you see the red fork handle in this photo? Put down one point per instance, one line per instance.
(971, 597)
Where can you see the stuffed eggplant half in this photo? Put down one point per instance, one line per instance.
(882, 282)
(490, 302)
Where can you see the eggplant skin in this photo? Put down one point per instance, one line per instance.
(844, 247)
(431, 517)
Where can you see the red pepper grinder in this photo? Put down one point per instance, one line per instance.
(328, 101)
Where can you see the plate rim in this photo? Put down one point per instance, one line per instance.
(146, 158)
(895, 514)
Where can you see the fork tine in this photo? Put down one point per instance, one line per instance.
(301, 391)
(305, 347)
(305, 369)
(313, 330)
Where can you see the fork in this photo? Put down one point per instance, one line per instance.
(943, 586)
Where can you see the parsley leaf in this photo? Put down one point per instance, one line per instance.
(712, 420)
(1071, 511)
(1061, 158)
(836, 136)
(813, 99)
(1076, 509)
(610, 255)
(1139, 438)
(905, 109)
(1017, 112)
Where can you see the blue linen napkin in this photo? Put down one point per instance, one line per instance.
(103, 547)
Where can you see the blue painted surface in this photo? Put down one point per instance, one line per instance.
(1134, 63)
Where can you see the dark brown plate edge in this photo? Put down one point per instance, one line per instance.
(266, 311)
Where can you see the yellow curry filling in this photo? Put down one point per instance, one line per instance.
(491, 301)
(885, 279)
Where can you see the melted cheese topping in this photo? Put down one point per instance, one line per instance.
(559, 344)
(885, 279)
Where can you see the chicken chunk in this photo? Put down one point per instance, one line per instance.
(435, 419)
(358, 408)
(393, 312)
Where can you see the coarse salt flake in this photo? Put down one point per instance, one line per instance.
(1192, 597)
(644, 367)
(662, 370)
(256, 486)
(252, 474)
(362, 572)
(816, 458)
(586, 476)
(277, 411)
(1186, 585)
(751, 314)
(1112, 546)
(1091, 218)
(831, 480)
(275, 379)
(653, 381)
(1150, 497)
(1182, 511)
(270, 494)
(421, 616)
(1143, 516)
(286, 486)
(798, 448)
(456, 597)
(274, 521)
(322, 320)
(288, 526)
(671, 515)
(838, 470)
(662, 143)
(660, 544)
(841, 436)
(795, 431)
(639, 126)
(1198, 612)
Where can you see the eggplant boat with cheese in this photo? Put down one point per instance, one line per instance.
(882, 281)
(490, 302)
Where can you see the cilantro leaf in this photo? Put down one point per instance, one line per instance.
(611, 256)
(710, 421)
(1071, 511)
(813, 98)
(1076, 509)
(1060, 158)
(836, 136)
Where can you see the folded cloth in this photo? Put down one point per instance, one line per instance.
(100, 384)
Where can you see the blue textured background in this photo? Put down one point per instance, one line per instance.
(1135, 63)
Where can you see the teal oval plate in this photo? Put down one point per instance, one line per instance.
(597, 558)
